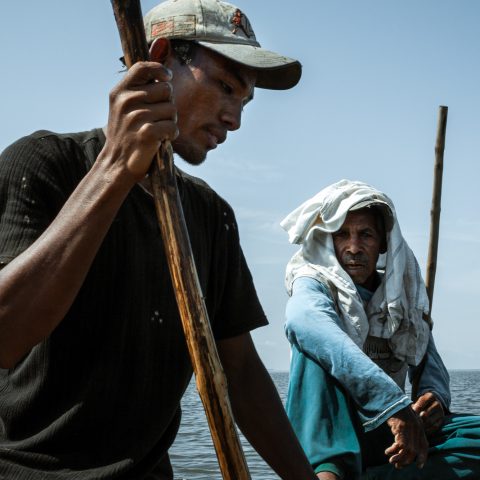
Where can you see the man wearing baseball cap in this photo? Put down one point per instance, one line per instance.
(92, 354)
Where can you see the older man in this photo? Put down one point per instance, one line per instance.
(355, 324)
(93, 360)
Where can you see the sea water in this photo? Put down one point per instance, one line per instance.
(193, 456)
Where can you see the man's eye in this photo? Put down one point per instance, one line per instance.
(226, 88)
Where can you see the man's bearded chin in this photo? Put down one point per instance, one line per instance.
(193, 156)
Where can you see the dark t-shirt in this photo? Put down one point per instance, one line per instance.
(99, 398)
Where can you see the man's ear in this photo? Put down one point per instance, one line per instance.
(160, 50)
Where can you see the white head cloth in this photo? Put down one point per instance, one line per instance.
(396, 309)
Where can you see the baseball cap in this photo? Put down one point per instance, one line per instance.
(225, 29)
(381, 205)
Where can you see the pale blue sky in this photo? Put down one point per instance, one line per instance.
(375, 72)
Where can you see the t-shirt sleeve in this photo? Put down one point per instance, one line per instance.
(238, 308)
(29, 195)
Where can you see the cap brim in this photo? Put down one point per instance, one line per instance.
(387, 213)
(274, 71)
(367, 203)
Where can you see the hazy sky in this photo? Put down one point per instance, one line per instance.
(374, 74)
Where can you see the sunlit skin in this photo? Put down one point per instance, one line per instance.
(431, 411)
(357, 247)
(209, 94)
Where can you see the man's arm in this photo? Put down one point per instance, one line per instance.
(313, 326)
(258, 409)
(38, 287)
(435, 377)
(431, 412)
(434, 390)
(410, 444)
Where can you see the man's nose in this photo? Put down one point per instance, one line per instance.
(353, 245)
(232, 117)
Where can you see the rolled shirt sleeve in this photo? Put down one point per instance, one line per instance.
(312, 325)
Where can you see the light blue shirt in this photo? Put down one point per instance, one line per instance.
(313, 326)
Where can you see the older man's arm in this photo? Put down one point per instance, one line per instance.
(434, 397)
(313, 327)
(258, 409)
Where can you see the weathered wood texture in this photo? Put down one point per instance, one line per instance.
(210, 378)
(436, 206)
(434, 230)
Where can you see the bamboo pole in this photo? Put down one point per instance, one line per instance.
(210, 378)
(434, 229)
(436, 207)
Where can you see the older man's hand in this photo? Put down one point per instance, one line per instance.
(431, 412)
(410, 442)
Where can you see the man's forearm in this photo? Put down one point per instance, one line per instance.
(259, 412)
(434, 377)
(38, 287)
(312, 327)
(264, 423)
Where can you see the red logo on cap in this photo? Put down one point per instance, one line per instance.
(240, 21)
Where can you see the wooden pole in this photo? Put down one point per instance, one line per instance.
(436, 207)
(210, 378)
(434, 229)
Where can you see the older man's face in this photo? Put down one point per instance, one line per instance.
(357, 247)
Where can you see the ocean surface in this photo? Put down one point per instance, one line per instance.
(193, 456)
